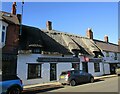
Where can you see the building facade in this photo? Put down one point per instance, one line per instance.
(111, 59)
(9, 26)
(44, 54)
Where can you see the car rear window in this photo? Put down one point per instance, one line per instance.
(9, 77)
(64, 73)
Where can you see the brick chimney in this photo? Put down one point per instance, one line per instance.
(49, 25)
(14, 8)
(106, 39)
(19, 17)
(89, 33)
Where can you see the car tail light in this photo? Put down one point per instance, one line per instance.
(68, 74)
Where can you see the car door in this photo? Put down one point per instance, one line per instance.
(83, 76)
(75, 75)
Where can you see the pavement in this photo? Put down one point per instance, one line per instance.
(56, 84)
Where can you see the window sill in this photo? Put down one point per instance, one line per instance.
(34, 78)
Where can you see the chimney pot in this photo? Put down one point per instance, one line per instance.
(49, 25)
(106, 39)
(14, 8)
(89, 33)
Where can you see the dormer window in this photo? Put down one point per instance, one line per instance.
(3, 27)
(115, 56)
(36, 50)
(107, 54)
(3, 36)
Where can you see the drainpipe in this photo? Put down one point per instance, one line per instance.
(103, 67)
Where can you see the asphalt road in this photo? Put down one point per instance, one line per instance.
(108, 85)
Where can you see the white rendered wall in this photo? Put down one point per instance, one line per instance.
(92, 71)
(106, 68)
(22, 68)
(24, 59)
(111, 57)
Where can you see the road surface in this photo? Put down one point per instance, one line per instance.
(107, 85)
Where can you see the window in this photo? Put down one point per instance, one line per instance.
(107, 54)
(76, 66)
(3, 27)
(36, 50)
(3, 36)
(97, 67)
(115, 56)
(34, 71)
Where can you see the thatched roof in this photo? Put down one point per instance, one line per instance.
(56, 41)
(31, 36)
(73, 42)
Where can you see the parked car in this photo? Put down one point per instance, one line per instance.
(73, 77)
(11, 84)
(118, 71)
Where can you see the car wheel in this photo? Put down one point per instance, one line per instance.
(72, 83)
(91, 80)
(14, 90)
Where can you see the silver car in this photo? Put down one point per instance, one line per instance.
(73, 77)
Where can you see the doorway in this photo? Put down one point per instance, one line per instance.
(85, 66)
(53, 72)
(112, 68)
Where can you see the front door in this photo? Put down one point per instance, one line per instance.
(53, 72)
(85, 66)
(112, 68)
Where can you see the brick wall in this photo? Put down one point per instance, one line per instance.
(12, 36)
(10, 50)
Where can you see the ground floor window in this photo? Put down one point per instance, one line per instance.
(34, 71)
(76, 66)
(97, 67)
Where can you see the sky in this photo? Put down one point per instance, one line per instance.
(72, 17)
